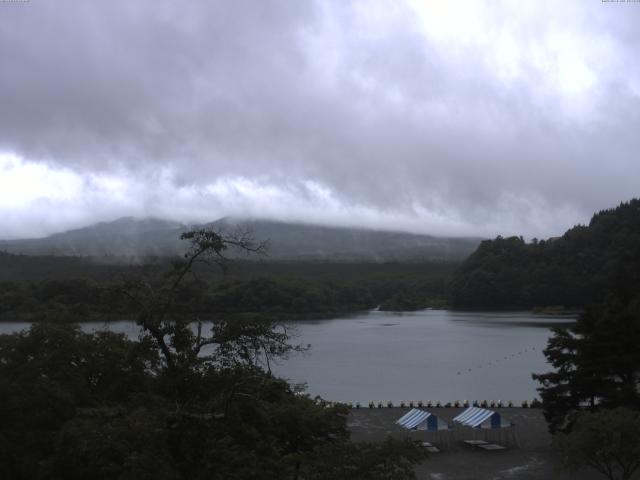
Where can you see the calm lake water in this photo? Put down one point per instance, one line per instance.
(436, 355)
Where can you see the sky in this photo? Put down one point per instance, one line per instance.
(449, 118)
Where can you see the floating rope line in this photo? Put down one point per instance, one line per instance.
(496, 362)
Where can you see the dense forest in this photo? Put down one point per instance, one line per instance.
(570, 271)
(175, 404)
(76, 289)
(591, 395)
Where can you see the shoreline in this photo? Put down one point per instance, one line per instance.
(108, 317)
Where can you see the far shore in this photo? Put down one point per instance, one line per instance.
(105, 317)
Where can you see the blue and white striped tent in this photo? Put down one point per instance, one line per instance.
(417, 419)
(476, 417)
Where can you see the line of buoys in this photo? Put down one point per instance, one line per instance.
(495, 362)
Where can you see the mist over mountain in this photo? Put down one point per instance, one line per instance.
(125, 239)
(130, 239)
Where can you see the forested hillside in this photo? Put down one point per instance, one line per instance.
(573, 270)
(77, 289)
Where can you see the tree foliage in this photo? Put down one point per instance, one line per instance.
(596, 363)
(179, 403)
(572, 270)
(52, 373)
(607, 441)
(364, 461)
(74, 289)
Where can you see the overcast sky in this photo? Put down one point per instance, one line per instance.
(442, 117)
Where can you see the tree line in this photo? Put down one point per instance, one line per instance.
(591, 398)
(294, 290)
(179, 403)
(572, 270)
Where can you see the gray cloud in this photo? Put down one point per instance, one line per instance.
(444, 117)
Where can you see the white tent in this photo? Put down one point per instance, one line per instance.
(476, 417)
(492, 424)
(417, 419)
(430, 426)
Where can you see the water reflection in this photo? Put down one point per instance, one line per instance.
(425, 355)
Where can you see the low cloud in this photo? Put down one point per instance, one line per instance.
(451, 118)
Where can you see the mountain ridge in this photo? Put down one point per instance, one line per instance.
(134, 238)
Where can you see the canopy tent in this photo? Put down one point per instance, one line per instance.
(490, 423)
(417, 419)
(476, 417)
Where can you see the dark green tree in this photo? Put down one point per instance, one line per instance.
(388, 460)
(179, 403)
(573, 270)
(596, 363)
(607, 441)
(51, 375)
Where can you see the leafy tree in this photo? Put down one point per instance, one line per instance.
(607, 441)
(573, 270)
(179, 403)
(107, 443)
(389, 460)
(50, 374)
(596, 362)
(168, 328)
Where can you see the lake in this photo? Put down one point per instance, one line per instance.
(436, 355)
